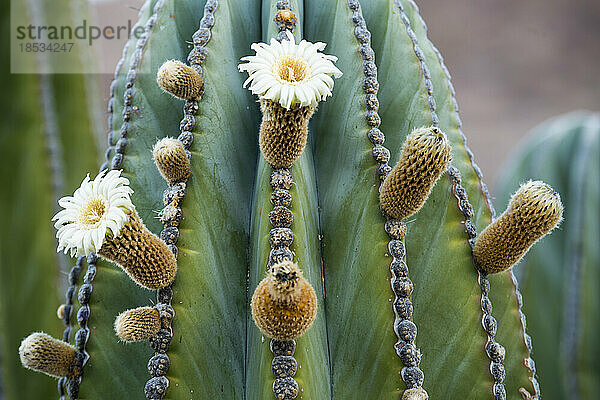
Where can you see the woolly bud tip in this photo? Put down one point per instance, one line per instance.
(534, 210)
(180, 80)
(283, 133)
(171, 160)
(284, 304)
(43, 353)
(138, 324)
(425, 155)
(415, 394)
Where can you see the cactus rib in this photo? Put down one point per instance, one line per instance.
(67, 311)
(570, 338)
(494, 350)
(529, 363)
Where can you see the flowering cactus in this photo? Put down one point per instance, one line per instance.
(263, 192)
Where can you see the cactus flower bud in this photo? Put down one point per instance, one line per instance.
(171, 160)
(284, 304)
(283, 133)
(137, 324)
(180, 80)
(534, 210)
(43, 353)
(425, 155)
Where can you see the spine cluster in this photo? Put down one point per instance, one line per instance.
(138, 324)
(172, 160)
(41, 352)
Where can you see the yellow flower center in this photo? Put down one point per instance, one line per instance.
(291, 69)
(92, 212)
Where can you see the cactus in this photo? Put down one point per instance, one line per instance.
(561, 273)
(239, 211)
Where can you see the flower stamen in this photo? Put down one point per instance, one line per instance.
(92, 212)
(292, 69)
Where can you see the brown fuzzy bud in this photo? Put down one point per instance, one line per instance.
(143, 255)
(171, 160)
(284, 304)
(283, 133)
(180, 80)
(534, 210)
(415, 394)
(425, 155)
(43, 353)
(138, 324)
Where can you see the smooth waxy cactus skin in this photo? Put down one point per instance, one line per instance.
(41, 352)
(339, 237)
(534, 210)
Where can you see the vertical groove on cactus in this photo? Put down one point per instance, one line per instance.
(488, 322)
(570, 336)
(300, 366)
(175, 169)
(129, 109)
(83, 334)
(119, 148)
(529, 363)
(404, 328)
(494, 350)
(65, 311)
(470, 154)
(114, 87)
(450, 105)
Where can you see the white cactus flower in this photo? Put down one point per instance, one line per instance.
(289, 73)
(97, 208)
